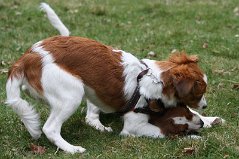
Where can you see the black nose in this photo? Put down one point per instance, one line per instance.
(201, 123)
(205, 106)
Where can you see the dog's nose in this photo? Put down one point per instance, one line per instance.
(201, 123)
(205, 106)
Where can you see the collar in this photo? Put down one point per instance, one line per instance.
(130, 105)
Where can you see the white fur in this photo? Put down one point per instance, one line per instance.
(205, 78)
(202, 103)
(54, 19)
(64, 93)
(150, 86)
(46, 56)
(91, 96)
(193, 124)
(136, 124)
(92, 117)
(132, 68)
(208, 121)
(27, 113)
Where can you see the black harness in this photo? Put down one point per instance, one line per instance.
(130, 105)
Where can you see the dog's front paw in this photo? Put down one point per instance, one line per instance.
(97, 125)
(210, 121)
(109, 129)
(218, 121)
(74, 149)
(126, 134)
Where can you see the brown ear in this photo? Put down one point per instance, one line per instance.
(183, 86)
(154, 106)
(181, 129)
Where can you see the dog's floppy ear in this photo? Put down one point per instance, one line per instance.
(155, 106)
(183, 86)
(181, 129)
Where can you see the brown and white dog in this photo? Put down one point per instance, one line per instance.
(173, 121)
(63, 69)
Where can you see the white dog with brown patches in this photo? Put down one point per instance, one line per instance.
(63, 69)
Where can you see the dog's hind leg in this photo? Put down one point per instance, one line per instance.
(64, 94)
(60, 112)
(93, 119)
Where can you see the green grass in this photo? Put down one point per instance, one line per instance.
(137, 27)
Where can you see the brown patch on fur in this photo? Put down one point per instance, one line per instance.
(166, 124)
(29, 65)
(183, 58)
(155, 107)
(183, 79)
(96, 64)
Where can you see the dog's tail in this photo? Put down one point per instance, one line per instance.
(54, 19)
(27, 113)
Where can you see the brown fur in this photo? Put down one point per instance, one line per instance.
(166, 124)
(96, 64)
(92, 62)
(183, 78)
(30, 66)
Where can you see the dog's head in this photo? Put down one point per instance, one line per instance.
(184, 81)
(177, 121)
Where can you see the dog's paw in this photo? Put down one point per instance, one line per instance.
(108, 129)
(218, 121)
(210, 121)
(97, 125)
(126, 134)
(75, 149)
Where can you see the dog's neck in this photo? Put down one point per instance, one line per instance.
(154, 88)
(150, 85)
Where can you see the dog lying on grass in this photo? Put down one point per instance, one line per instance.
(176, 121)
(173, 121)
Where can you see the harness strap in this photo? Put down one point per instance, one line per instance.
(130, 105)
(135, 97)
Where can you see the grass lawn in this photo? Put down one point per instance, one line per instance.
(208, 28)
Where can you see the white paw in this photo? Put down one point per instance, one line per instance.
(36, 136)
(109, 129)
(218, 120)
(97, 125)
(213, 121)
(126, 134)
(75, 149)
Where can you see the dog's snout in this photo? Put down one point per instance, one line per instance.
(201, 123)
(204, 107)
